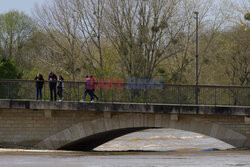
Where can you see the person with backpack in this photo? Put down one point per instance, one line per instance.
(60, 86)
(39, 85)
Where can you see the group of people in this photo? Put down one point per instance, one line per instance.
(56, 87)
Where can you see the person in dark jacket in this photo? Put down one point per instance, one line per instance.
(52, 85)
(60, 86)
(39, 85)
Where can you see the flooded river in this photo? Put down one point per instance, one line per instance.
(173, 148)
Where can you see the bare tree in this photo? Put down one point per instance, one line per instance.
(61, 26)
(90, 13)
(179, 65)
(212, 20)
(144, 33)
(75, 27)
(241, 11)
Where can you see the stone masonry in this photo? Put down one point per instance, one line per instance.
(84, 126)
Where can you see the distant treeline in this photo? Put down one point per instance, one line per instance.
(128, 38)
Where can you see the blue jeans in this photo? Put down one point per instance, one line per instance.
(38, 92)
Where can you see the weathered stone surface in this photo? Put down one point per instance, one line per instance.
(174, 117)
(98, 126)
(138, 120)
(126, 107)
(88, 128)
(247, 119)
(214, 130)
(165, 120)
(80, 130)
(234, 138)
(51, 125)
(47, 113)
(48, 144)
(108, 124)
(158, 120)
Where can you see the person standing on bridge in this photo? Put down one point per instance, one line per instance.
(39, 85)
(60, 86)
(52, 85)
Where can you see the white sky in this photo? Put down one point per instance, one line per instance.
(27, 5)
(20, 5)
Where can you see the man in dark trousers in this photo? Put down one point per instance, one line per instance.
(52, 85)
(39, 85)
(92, 89)
(86, 91)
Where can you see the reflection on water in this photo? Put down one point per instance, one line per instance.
(161, 140)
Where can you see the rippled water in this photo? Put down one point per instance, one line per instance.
(187, 150)
(163, 140)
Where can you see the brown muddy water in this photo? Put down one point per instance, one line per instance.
(170, 148)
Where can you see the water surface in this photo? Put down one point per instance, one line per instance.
(173, 148)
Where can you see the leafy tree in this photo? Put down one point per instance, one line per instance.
(15, 29)
(247, 16)
(8, 69)
(235, 58)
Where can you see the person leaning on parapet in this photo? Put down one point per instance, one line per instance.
(60, 86)
(52, 85)
(39, 85)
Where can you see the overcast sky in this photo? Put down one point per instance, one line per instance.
(21, 5)
(28, 5)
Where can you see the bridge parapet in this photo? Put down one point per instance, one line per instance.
(135, 93)
(128, 107)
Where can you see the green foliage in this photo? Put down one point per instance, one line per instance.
(206, 60)
(17, 24)
(247, 16)
(161, 71)
(174, 41)
(155, 28)
(163, 23)
(8, 69)
(15, 30)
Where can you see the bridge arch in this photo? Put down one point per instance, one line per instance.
(87, 135)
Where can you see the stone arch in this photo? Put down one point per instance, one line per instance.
(90, 134)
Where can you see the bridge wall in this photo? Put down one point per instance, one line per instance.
(57, 128)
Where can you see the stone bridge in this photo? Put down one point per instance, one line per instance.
(84, 126)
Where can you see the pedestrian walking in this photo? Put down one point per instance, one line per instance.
(86, 90)
(92, 89)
